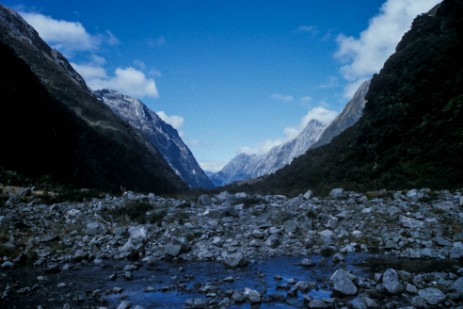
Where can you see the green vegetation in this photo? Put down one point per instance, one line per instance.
(411, 132)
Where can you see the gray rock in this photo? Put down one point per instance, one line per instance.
(410, 288)
(273, 241)
(414, 194)
(172, 250)
(410, 222)
(124, 305)
(80, 255)
(204, 200)
(432, 296)
(138, 234)
(7, 264)
(419, 302)
(342, 283)
(317, 303)
(238, 297)
(252, 295)
(337, 193)
(458, 285)
(441, 241)
(306, 262)
(233, 260)
(391, 282)
(199, 303)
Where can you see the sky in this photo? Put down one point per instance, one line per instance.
(231, 76)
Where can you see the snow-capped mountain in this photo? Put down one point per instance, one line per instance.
(159, 133)
(315, 134)
(348, 117)
(245, 166)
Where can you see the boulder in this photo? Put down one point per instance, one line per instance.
(391, 282)
(342, 283)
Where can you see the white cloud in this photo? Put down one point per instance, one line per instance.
(174, 120)
(128, 80)
(365, 55)
(72, 37)
(319, 113)
(306, 99)
(65, 36)
(282, 98)
(211, 165)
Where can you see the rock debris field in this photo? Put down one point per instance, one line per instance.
(382, 249)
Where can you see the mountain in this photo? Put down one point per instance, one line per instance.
(244, 166)
(161, 135)
(239, 168)
(411, 132)
(348, 117)
(51, 124)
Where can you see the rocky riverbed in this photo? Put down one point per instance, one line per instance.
(234, 251)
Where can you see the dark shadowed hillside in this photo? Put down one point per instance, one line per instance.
(411, 132)
(51, 124)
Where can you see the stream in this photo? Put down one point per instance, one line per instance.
(178, 284)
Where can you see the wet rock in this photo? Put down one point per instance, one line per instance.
(342, 283)
(124, 305)
(306, 262)
(252, 296)
(233, 260)
(238, 297)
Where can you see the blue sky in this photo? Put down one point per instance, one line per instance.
(232, 76)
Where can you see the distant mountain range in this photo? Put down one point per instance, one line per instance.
(160, 134)
(52, 125)
(245, 166)
(410, 134)
(315, 134)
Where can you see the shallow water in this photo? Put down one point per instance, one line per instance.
(90, 286)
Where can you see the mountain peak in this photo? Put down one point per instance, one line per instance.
(160, 134)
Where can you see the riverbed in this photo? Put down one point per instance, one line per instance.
(282, 282)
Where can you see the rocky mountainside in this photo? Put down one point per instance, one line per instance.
(51, 123)
(161, 135)
(410, 133)
(348, 117)
(246, 166)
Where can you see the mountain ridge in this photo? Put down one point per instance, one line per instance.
(160, 134)
(247, 166)
(59, 127)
